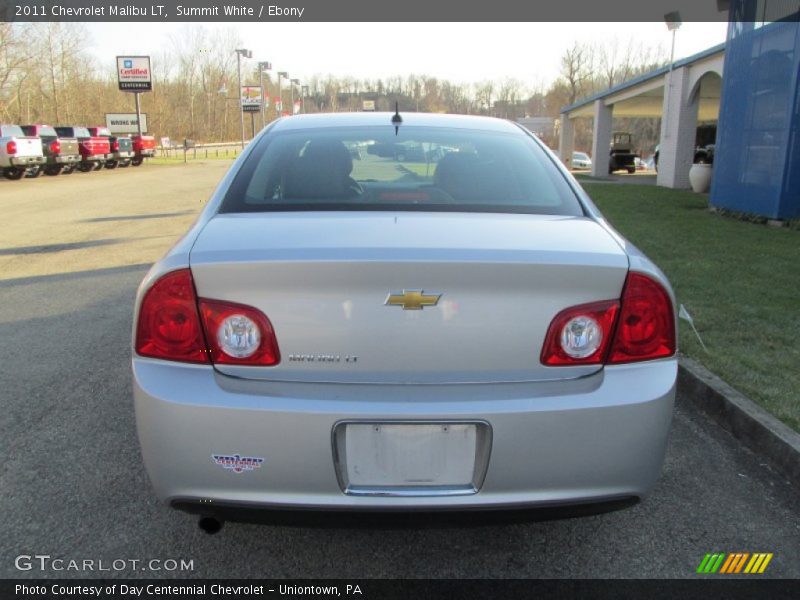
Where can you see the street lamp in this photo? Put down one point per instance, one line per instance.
(278, 110)
(673, 21)
(263, 66)
(240, 52)
(294, 82)
(304, 93)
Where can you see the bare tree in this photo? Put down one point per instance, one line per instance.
(576, 69)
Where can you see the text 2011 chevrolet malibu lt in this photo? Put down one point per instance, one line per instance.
(402, 312)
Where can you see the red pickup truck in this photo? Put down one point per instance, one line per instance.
(144, 146)
(93, 149)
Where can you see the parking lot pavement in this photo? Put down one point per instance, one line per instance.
(72, 482)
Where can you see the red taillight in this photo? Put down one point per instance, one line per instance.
(11, 147)
(646, 328)
(169, 325)
(115, 146)
(137, 144)
(238, 334)
(55, 147)
(639, 327)
(554, 353)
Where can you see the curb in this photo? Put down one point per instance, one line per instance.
(752, 425)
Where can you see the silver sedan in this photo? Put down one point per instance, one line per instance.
(401, 312)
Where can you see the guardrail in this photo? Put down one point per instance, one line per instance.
(190, 150)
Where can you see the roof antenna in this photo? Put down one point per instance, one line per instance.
(397, 119)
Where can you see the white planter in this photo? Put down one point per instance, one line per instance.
(700, 177)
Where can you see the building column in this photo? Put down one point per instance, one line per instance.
(601, 139)
(566, 140)
(678, 131)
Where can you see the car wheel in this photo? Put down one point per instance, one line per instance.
(125, 163)
(631, 170)
(69, 169)
(52, 170)
(137, 161)
(97, 166)
(85, 167)
(13, 173)
(111, 164)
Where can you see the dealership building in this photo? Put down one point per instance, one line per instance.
(749, 87)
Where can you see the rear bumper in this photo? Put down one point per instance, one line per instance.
(69, 159)
(26, 161)
(593, 439)
(119, 155)
(94, 158)
(146, 153)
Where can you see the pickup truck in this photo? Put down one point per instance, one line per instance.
(121, 147)
(18, 152)
(61, 154)
(144, 146)
(93, 149)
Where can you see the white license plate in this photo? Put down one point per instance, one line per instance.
(385, 455)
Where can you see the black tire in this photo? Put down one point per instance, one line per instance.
(85, 167)
(52, 170)
(125, 163)
(69, 169)
(631, 170)
(98, 166)
(111, 164)
(13, 173)
(137, 161)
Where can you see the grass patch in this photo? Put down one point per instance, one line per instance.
(739, 281)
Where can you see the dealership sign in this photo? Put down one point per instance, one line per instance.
(124, 122)
(133, 73)
(251, 98)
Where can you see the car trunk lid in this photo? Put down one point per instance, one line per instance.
(323, 279)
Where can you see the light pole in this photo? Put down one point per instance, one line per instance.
(294, 82)
(279, 105)
(263, 66)
(304, 93)
(240, 52)
(673, 21)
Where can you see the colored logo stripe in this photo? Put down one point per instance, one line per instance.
(711, 563)
(758, 563)
(734, 562)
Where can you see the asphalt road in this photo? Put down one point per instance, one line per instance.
(72, 486)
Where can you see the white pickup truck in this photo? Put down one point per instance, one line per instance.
(18, 152)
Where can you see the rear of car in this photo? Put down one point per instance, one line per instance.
(120, 147)
(581, 160)
(379, 316)
(18, 152)
(144, 146)
(93, 149)
(61, 153)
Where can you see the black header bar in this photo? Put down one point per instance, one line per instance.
(359, 10)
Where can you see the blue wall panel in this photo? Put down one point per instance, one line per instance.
(756, 163)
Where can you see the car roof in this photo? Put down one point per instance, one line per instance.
(410, 119)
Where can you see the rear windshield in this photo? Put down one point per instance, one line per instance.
(417, 168)
(12, 131)
(78, 132)
(44, 130)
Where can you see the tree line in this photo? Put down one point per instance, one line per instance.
(48, 75)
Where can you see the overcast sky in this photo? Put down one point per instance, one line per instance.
(460, 52)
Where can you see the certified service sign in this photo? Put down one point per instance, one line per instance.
(133, 73)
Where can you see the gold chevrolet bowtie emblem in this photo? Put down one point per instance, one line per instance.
(412, 299)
